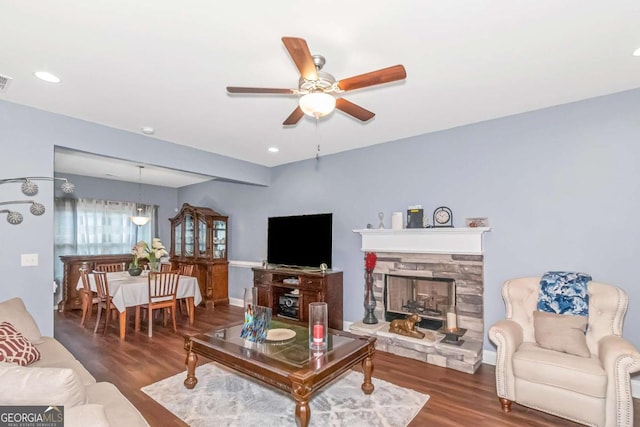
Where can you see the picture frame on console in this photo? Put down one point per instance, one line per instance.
(477, 222)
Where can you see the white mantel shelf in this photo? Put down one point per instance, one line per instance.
(461, 240)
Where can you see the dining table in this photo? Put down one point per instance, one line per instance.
(130, 291)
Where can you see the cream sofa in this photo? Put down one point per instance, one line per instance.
(58, 379)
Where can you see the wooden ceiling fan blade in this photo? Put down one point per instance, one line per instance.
(354, 110)
(294, 117)
(301, 56)
(385, 75)
(236, 89)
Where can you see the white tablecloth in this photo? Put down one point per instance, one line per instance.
(129, 291)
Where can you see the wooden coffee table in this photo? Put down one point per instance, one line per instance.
(290, 366)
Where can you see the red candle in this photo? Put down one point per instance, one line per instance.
(318, 334)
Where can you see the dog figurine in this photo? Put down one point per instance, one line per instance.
(406, 327)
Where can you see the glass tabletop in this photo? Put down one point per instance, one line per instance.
(294, 351)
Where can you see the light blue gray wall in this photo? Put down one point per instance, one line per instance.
(561, 188)
(27, 139)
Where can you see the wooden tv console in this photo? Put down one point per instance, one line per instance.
(312, 286)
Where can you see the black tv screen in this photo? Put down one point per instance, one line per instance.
(301, 240)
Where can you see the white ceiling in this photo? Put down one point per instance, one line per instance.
(165, 64)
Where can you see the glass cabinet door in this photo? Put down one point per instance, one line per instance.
(177, 239)
(202, 237)
(219, 239)
(189, 235)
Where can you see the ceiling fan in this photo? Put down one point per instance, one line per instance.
(319, 91)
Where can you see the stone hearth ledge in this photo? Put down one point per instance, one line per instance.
(465, 358)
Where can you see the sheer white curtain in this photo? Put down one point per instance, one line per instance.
(64, 235)
(105, 227)
(97, 227)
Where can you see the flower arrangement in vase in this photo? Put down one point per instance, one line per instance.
(153, 253)
(370, 259)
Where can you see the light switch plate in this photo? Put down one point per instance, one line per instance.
(29, 260)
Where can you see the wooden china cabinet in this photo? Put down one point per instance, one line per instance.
(199, 237)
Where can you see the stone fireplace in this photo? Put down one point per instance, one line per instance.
(421, 271)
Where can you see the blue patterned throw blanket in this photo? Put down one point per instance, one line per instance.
(564, 292)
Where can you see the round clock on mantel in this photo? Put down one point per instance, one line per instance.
(442, 217)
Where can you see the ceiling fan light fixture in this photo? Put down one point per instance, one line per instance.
(317, 104)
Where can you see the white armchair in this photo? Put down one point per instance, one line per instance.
(595, 390)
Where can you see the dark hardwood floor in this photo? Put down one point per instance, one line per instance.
(457, 399)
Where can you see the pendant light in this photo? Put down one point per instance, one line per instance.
(140, 219)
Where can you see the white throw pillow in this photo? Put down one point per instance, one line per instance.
(90, 414)
(14, 312)
(24, 385)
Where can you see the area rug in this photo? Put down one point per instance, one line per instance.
(226, 398)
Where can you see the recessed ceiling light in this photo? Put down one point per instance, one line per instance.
(148, 130)
(47, 77)
(273, 149)
(636, 52)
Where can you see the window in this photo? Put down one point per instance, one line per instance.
(95, 227)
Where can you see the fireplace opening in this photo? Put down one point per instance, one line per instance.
(426, 296)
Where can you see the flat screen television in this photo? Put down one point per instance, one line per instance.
(301, 240)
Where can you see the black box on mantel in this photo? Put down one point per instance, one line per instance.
(415, 218)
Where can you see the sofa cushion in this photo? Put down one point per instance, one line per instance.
(52, 351)
(14, 348)
(120, 412)
(84, 415)
(14, 312)
(85, 377)
(578, 374)
(561, 332)
(55, 355)
(26, 385)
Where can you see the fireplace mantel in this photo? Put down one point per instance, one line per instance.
(461, 240)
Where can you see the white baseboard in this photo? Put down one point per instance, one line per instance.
(244, 264)
(489, 357)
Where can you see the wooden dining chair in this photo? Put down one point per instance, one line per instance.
(104, 297)
(87, 296)
(165, 267)
(185, 270)
(110, 268)
(162, 295)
